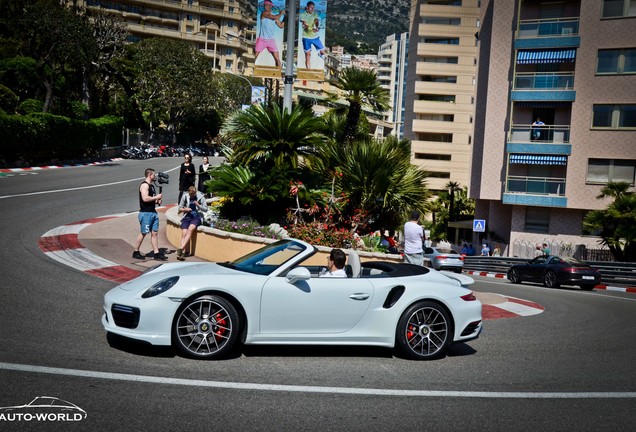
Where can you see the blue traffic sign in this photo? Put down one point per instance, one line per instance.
(479, 225)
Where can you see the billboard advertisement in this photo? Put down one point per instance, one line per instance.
(270, 21)
(311, 40)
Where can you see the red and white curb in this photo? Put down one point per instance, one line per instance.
(511, 308)
(62, 245)
(29, 169)
(486, 274)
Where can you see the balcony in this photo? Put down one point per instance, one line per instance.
(543, 81)
(548, 33)
(550, 140)
(535, 191)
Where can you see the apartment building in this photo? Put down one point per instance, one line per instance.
(391, 70)
(223, 30)
(440, 94)
(571, 63)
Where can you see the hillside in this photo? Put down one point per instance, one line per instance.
(365, 24)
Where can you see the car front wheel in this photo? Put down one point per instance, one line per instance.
(424, 331)
(514, 276)
(550, 279)
(206, 327)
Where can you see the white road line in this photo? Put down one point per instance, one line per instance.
(78, 188)
(315, 389)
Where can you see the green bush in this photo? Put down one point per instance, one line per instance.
(8, 99)
(43, 137)
(30, 106)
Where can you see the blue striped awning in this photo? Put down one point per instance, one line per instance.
(545, 56)
(538, 159)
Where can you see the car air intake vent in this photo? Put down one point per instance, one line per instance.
(393, 296)
(470, 328)
(125, 316)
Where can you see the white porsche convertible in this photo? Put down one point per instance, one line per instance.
(270, 297)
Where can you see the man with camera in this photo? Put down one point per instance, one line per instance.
(148, 218)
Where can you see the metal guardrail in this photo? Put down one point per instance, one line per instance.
(611, 272)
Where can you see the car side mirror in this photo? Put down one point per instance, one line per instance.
(298, 274)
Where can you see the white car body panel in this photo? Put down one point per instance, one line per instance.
(347, 311)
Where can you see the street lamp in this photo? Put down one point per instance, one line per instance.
(246, 80)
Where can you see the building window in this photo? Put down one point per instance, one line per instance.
(537, 220)
(448, 60)
(441, 40)
(437, 174)
(614, 116)
(443, 2)
(437, 98)
(228, 64)
(435, 137)
(619, 8)
(602, 171)
(448, 79)
(229, 51)
(437, 117)
(441, 21)
(430, 156)
(616, 61)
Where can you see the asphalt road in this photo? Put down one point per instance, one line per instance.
(568, 368)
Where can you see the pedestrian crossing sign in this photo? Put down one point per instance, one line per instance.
(479, 225)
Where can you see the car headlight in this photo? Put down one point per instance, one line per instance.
(160, 287)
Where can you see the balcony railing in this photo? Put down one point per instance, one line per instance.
(544, 81)
(536, 185)
(560, 27)
(541, 134)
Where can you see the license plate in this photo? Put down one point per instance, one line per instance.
(588, 277)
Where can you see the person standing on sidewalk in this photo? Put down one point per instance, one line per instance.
(187, 175)
(413, 238)
(191, 204)
(148, 218)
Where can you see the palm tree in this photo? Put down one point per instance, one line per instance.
(361, 88)
(378, 179)
(273, 135)
(615, 190)
(616, 223)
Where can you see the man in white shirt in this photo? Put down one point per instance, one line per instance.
(335, 264)
(413, 237)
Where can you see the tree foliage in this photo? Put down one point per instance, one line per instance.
(361, 89)
(615, 224)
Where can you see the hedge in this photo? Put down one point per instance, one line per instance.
(43, 137)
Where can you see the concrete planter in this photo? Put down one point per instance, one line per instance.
(215, 245)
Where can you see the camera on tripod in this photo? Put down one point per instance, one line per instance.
(163, 178)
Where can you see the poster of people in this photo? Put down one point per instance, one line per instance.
(270, 22)
(311, 40)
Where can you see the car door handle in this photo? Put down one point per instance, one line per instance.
(359, 296)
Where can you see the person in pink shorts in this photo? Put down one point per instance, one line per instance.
(266, 38)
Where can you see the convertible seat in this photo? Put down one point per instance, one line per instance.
(353, 264)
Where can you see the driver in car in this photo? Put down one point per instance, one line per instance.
(335, 264)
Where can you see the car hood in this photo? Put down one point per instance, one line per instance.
(177, 269)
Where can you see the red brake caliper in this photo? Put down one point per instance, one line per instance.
(220, 324)
(410, 333)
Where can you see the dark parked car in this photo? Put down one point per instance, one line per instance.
(553, 271)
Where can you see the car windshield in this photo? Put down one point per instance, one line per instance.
(447, 252)
(267, 259)
(573, 262)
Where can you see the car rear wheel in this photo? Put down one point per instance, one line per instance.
(550, 279)
(514, 276)
(206, 327)
(424, 331)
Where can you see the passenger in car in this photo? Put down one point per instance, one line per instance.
(335, 264)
